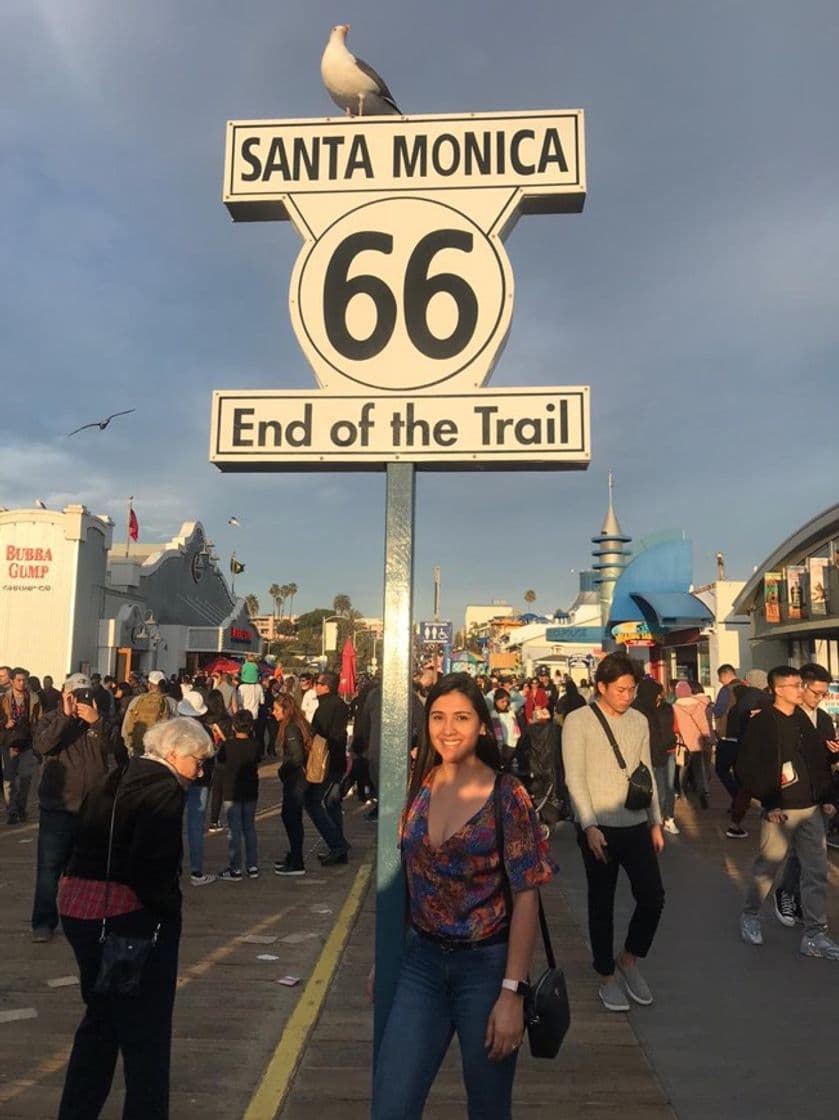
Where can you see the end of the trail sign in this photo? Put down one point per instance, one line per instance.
(265, 430)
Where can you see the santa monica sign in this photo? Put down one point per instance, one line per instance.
(402, 295)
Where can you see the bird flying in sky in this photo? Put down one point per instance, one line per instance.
(40, 503)
(101, 424)
(234, 521)
(352, 84)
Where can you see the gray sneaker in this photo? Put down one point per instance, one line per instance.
(819, 945)
(635, 984)
(750, 929)
(612, 996)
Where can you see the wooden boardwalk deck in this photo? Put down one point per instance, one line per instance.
(230, 1013)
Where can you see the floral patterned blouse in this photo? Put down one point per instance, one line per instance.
(456, 891)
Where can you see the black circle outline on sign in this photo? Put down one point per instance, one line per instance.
(424, 385)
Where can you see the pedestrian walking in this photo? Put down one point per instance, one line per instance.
(783, 762)
(612, 835)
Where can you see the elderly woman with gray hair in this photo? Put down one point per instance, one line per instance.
(141, 808)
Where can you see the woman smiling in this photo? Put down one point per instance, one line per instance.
(466, 958)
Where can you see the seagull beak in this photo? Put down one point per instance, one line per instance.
(346, 27)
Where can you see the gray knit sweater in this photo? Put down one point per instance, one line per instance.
(596, 783)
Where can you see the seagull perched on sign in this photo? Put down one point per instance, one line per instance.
(351, 83)
(101, 424)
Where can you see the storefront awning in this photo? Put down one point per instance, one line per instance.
(669, 610)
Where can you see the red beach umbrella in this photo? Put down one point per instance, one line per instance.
(347, 685)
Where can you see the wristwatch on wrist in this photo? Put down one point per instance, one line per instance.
(520, 987)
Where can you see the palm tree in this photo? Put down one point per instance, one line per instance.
(292, 591)
(283, 597)
(252, 603)
(342, 604)
(530, 597)
(274, 592)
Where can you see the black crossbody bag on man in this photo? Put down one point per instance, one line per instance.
(547, 1013)
(640, 793)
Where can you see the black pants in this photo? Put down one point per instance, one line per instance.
(294, 790)
(138, 1026)
(632, 849)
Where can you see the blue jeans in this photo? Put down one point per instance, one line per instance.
(241, 820)
(323, 804)
(440, 993)
(56, 835)
(18, 770)
(196, 818)
(665, 779)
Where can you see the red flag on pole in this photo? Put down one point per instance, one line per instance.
(133, 526)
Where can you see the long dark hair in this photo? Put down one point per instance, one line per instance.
(487, 748)
(292, 714)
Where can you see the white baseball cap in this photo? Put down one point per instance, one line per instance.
(76, 680)
(155, 676)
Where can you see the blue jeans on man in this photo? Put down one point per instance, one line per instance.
(440, 993)
(196, 818)
(323, 804)
(18, 770)
(56, 836)
(241, 821)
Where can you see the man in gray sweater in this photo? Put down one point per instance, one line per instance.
(611, 836)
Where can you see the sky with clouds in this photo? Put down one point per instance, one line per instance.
(696, 294)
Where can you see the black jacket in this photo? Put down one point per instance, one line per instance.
(74, 757)
(330, 720)
(293, 754)
(240, 769)
(367, 730)
(147, 834)
(759, 760)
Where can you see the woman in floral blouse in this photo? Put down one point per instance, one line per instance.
(467, 958)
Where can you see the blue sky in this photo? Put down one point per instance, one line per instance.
(696, 294)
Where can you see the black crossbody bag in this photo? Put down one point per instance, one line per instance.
(547, 1013)
(123, 958)
(640, 793)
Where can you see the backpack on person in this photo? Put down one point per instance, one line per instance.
(150, 708)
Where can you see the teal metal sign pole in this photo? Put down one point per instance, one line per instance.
(396, 733)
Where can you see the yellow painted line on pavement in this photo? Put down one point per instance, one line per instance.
(279, 1073)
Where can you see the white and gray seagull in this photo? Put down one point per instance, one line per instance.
(101, 424)
(354, 86)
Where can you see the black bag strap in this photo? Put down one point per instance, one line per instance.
(508, 891)
(610, 735)
(102, 934)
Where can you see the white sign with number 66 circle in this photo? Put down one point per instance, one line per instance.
(402, 294)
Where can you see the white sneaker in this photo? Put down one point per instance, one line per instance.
(670, 826)
(201, 880)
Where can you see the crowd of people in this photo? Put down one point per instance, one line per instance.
(496, 762)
